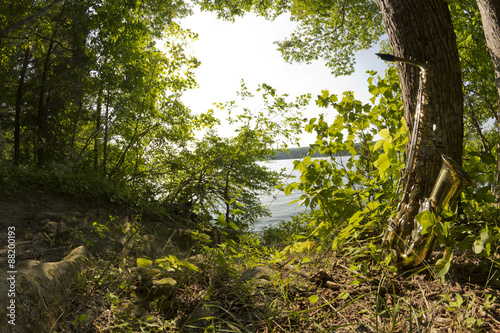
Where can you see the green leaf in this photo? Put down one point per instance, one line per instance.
(144, 263)
(343, 295)
(190, 266)
(167, 280)
(487, 158)
(378, 144)
(222, 220)
(313, 299)
(237, 212)
(83, 317)
(385, 133)
(443, 264)
(356, 218)
(382, 163)
(426, 219)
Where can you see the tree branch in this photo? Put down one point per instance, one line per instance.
(29, 20)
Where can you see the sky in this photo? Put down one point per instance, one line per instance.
(230, 52)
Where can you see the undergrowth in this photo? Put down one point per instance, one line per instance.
(274, 283)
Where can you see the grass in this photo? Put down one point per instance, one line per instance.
(300, 292)
(272, 282)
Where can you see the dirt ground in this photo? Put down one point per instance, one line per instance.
(323, 293)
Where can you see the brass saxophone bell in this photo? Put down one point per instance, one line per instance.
(452, 179)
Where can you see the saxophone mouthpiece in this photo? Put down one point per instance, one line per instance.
(386, 57)
(392, 58)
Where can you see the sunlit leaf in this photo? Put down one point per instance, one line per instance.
(313, 299)
(144, 263)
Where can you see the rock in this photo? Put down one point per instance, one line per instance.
(28, 263)
(261, 275)
(38, 293)
(48, 216)
(54, 229)
(202, 316)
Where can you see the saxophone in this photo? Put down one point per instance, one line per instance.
(403, 236)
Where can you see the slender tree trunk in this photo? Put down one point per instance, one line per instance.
(98, 130)
(42, 116)
(75, 127)
(105, 143)
(490, 15)
(226, 192)
(19, 101)
(422, 30)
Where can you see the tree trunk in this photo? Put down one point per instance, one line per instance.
(105, 143)
(98, 130)
(42, 116)
(19, 100)
(490, 15)
(422, 30)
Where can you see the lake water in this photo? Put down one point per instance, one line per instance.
(279, 203)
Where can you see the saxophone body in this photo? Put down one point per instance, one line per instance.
(403, 236)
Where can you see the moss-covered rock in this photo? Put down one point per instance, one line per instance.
(38, 293)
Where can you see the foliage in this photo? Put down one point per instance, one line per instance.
(349, 200)
(352, 203)
(330, 30)
(222, 177)
(480, 107)
(94, 90)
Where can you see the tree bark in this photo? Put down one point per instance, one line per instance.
(42, 114)
(19, 100)
(422, 30)
(98, 130)
(490, 16)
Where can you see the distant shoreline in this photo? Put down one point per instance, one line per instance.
(301, 152)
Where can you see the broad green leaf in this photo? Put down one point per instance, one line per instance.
(356, 218)
(144, 263)
(83, 317)
(378, 144)
(313, 299)
(344, 295)
(237, 212)
(384, 133)
(190, 266)
(382, 163)
(443, 264)
(427, 220)
(222, 220)
(167, 280)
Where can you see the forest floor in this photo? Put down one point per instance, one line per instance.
(187, 282)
